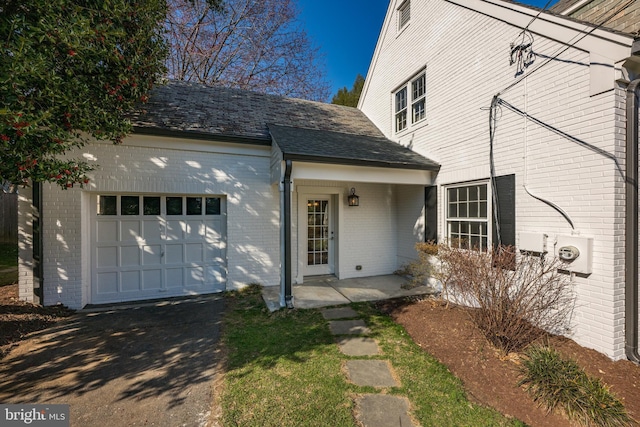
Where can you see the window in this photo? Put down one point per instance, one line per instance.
(404, 14)
(467, 216)
(401, 109)
(418, 98)
(417, 90)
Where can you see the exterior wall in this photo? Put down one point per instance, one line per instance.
(411, 221)
(460, 86)
(154, 165)
(25, 246)
(367, 234)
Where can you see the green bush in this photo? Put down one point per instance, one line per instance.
(557, 383)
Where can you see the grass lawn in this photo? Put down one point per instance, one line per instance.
(8, 259)
(284, 369)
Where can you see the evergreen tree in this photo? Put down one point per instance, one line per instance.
(349, 97)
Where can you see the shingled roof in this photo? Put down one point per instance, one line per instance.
(335, 147)
(217, 111)
(303, 130)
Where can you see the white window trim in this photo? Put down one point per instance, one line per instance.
(488, 220)
(410, 103)
(400, 10)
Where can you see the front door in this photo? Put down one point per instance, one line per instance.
(320, 236)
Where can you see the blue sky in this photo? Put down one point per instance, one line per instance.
(347, 32)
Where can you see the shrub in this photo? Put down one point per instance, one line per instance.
(516, 298)
(554, 383)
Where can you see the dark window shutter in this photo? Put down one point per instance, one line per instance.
(431, 214)
(506, 210)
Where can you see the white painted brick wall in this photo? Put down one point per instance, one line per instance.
(25, 246)
(466, 55)
(253, 247)
(369, 232)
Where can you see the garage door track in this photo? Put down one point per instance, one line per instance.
(152, 365)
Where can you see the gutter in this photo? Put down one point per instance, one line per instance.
(631, 225)
(288, 294)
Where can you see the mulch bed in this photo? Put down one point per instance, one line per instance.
(19, 318)
(489, 377)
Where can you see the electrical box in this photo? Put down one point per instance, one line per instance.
(532, 242)
(575, 253)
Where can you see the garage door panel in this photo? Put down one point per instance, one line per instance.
(130, 281)
(152, 229)
(195, 276)
(174, 277)
(129, 256)
(174, 254)
(195, 230)
(194, 252)
(106, 231)
(107, 256)
(107, 283)
(175, 230)
(213, 231)
(151, 254)
(129, 231)
(152, 279)
(215, 275)
(150, 251)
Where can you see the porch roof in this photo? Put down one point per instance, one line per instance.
(324, 146)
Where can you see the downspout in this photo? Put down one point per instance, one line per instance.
(631, 225)
(288, 294)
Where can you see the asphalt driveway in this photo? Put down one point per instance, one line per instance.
(152, 365)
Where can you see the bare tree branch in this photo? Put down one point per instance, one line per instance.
(248, 44)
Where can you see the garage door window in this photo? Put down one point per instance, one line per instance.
(107, 205)
(212, 206)
(151, 205)
(174, 205)
(194, 205)
(130, 205)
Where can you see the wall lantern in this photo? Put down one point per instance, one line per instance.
(353, 199)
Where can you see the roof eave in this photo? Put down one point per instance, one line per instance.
(202, 136)
(357, 162)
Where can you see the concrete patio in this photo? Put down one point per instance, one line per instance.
(325, 291)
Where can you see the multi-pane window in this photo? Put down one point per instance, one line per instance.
(412, 93)
(401, 109)
(418, 98)
(467, 216)
(151, 205)
(404, 14)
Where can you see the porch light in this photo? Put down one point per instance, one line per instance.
(353, 199)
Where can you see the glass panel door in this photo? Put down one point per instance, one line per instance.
(319, 236)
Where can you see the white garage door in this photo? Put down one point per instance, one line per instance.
(150, 246)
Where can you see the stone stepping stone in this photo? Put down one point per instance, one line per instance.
(380, 410)
(358, 346)
(348, 327)
(339, 313)
(374, 373)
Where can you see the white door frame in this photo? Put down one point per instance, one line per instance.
(335, 195)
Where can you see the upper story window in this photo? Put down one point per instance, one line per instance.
(412, 93)
(401, 109)
(404, 14)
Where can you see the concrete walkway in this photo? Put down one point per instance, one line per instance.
(325, 291)
(372, 410)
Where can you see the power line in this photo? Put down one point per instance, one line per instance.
(562, 50)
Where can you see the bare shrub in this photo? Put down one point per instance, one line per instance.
(517, 298)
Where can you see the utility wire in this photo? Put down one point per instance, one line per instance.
(538, 15)
(562, 50)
